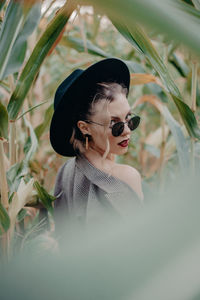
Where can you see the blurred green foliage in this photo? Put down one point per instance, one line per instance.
(43, 44)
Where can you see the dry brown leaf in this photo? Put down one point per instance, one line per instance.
(151, 99)
(155, 138)
(142, 78)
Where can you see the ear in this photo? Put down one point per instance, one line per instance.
(84, 128)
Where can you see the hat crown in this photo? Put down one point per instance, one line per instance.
(63, 87)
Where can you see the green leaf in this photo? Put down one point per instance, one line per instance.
(2, 2)
(19, 48)
(30, 109)
(32, 143)
(21, 215)
(14, 175)
(11, 197)
(19, 170)
(134, 67)
(180, 140)
(37, 57)
(137, 37)
(153, 88)
(3, 122)
(196, 4)
(10, 29)
(5, 85)
(179, 64)
(78, 45)
(4, 218)
(45, 124)
(45, 198)
(178, 20)
(187, 117)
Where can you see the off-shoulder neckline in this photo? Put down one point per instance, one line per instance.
(109, 175)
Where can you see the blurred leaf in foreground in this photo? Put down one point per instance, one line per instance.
(154, 255)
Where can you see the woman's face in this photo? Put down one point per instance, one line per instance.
(108, 114)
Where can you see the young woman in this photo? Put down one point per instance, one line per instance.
(93, 122)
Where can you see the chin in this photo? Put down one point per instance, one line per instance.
(120, 151)
(123, 151)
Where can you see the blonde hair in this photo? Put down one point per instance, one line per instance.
(105, 91)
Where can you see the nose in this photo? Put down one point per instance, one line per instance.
(126, 129)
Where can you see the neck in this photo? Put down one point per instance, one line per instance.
(95, 156)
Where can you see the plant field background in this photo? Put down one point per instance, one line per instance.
(41, 43)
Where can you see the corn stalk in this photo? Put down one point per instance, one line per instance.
(4, 198)
(193, 108)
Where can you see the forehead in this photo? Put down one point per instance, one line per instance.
(118, 107)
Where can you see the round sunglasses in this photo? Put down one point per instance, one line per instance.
(118, 127)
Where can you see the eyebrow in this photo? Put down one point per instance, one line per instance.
(117, 117)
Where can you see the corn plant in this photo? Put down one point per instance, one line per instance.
(19, 21)
(163, 60)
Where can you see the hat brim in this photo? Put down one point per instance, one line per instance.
(79, 94)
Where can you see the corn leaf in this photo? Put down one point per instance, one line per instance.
(153, 88)
(39, 130)
(19, 48)
(36, 59)
(179, 64)
(19, 200)
(153, 254)
(178, 20)
(4, 218)
(137, 37)
(10, 30)
(21, 215)
(78, 44)
(180, 140)
(2, 2)
(141, 78)
(30, 109)
(3, 122)
(196, 4)
(45, 198)
(15, 174)
(31, 144)
(187, 117)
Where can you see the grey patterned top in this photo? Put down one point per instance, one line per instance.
(86, 193)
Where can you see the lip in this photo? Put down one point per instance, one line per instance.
(124, 143)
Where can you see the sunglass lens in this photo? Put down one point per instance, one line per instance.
(117, 129)
(134, 122)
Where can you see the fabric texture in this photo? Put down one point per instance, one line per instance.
(86, 194)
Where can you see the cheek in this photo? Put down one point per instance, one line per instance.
(112, 140)
(99, 137)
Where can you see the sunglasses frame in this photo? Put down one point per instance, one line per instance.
(111, 127)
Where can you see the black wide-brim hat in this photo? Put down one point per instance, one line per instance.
(77, 91)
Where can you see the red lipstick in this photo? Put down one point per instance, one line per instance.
(124, 143)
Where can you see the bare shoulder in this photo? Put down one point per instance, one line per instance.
(129, 175)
